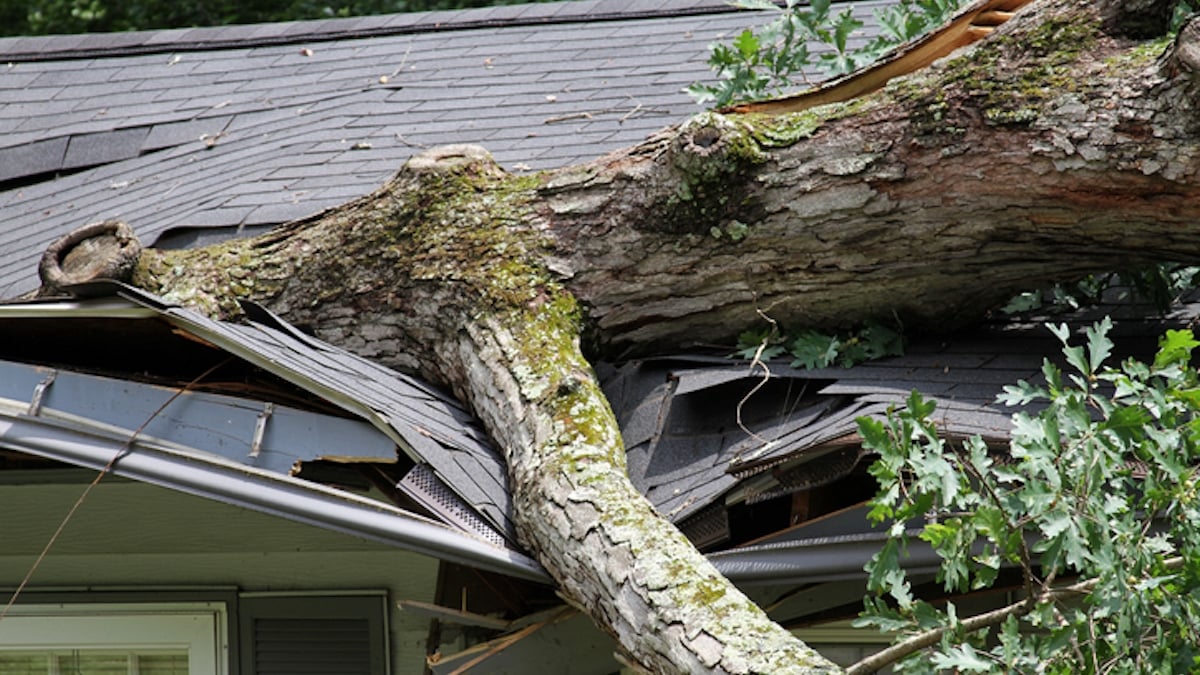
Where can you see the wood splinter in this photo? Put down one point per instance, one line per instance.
(973, 23)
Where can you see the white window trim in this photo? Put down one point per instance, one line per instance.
(200, 627)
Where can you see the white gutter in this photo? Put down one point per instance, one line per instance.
(213, 477)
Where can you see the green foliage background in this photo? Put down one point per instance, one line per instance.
(45, 17)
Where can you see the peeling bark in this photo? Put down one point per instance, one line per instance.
(1054, 148)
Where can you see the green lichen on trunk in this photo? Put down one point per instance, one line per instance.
(213, 278)
(710, 161)
(464, 226)
(614, 555)
(1013, 79)
(1010, 79)
(772, 132)
(470, 226)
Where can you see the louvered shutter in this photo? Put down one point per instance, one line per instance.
(313, 636)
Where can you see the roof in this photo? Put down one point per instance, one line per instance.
(250, 435)
(197, 134)
(189, 133)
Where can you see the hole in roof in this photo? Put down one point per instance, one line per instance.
(196, 236)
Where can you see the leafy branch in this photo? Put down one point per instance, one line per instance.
(1099, 483)
(1160, 285)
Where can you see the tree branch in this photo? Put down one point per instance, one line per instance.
(978, 622)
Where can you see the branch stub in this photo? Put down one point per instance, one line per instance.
(104, 250)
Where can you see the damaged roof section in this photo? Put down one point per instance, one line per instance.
(300, 402)
(765, 473)
(736, 457)
(708, 439)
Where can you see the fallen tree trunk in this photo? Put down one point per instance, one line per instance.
(1056, 147)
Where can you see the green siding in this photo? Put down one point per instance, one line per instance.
(132, 536)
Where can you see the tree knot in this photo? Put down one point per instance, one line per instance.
(712, 139)
(453, 159)
(104, 250)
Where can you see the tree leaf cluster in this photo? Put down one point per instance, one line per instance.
(1159, 285)
(815, 349)
(1091, 512)
(807, 42)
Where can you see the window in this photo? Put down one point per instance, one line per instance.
(115, 639)
(342, 633)
(94, 662)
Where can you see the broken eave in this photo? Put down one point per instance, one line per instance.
(450, 468)
(214, 477)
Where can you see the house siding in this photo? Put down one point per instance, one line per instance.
(131, 536)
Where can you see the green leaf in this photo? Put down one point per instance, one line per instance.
(1099, 346)
(846, 24)
(877, 613)
(1127, 422)
(1075, 357)
(874, 434)
(751, 341)
(1060, 331)
(962, 658)
(747, 45)
(814, 350)
(884, 574)
(918, 406)
(1021, 393)
(1023, 303)
(879, 340)
(1175, 347)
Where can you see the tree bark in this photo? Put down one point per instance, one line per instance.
(1056, 147)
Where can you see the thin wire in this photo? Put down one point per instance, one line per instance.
(124, 450)
(758, 362)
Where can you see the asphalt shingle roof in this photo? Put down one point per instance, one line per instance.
(183, 132)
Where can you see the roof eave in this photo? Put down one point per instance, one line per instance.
(282, 496)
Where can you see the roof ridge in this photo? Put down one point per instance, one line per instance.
(161, 41)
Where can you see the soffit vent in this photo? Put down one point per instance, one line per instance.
(707, 528)
(423, 486)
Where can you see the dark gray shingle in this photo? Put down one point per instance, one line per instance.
(301, 93)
